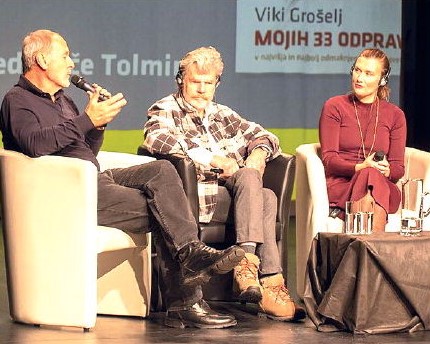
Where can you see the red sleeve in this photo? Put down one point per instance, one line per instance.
(329, 133)
(396, 152)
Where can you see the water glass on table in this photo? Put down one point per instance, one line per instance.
(411, 223)
(349, 218)
(414, 207)
(357, 221)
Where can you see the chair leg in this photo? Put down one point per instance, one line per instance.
(157, 304)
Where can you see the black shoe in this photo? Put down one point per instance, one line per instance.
(199, 262)
(199, 315)
(299, 313)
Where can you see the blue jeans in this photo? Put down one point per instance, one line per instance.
(150, 198)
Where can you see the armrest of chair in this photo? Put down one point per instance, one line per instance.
(417, 165)
(50, 231)
(108, 160)
(279, 177)
(312, 206)
(67, 186)
(187, 172)
(312, 198)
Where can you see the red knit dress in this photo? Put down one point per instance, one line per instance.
(341, 149)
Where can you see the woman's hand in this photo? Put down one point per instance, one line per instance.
(382, 166)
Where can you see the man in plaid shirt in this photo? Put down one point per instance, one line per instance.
(215, 137)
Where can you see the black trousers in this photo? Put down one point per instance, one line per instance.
(150, 198)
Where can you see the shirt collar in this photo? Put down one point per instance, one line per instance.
(27, 85)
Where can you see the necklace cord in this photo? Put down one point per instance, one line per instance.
(360, 130)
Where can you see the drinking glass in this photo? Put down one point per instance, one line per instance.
(358, 221)
(412, 211)
(349, 218)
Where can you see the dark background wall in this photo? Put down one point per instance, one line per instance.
(415, 71)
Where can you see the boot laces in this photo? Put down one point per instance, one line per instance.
(247, 269)
(281, 293)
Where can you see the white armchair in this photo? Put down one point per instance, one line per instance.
(312, 206)
(63, 269)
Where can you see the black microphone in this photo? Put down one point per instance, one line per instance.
(217, 170)
(80, 82)
(379, 156)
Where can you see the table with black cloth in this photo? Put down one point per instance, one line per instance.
(376, 283)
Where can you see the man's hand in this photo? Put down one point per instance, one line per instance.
(257, 160)
(101, 113)
(228, 165)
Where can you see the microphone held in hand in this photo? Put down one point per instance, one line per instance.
(379, 156)
(217, 170)
(80, 82)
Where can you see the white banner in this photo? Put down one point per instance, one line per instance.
(314, 37)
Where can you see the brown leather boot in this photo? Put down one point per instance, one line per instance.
(277, 303)
(245, 279)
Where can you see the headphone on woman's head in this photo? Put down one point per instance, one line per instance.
(385, 77)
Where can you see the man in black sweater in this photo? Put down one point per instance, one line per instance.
(37, 118)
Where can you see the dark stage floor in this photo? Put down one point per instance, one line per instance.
(250, 328)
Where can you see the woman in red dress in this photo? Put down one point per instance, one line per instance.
(352, 128)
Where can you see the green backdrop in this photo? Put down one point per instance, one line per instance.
(128, 140)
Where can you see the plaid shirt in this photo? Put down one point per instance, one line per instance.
(175, 127)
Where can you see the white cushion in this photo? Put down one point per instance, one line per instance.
(108, 160)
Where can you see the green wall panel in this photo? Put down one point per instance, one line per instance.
(129, 140)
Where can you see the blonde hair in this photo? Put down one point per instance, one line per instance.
(383, 90)
(34, 43)
(206, 59)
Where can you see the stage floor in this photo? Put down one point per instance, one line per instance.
(250, 328)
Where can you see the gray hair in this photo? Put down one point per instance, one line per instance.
(34, 43)
(206, 59)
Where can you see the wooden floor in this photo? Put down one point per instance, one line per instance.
(250, 328)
